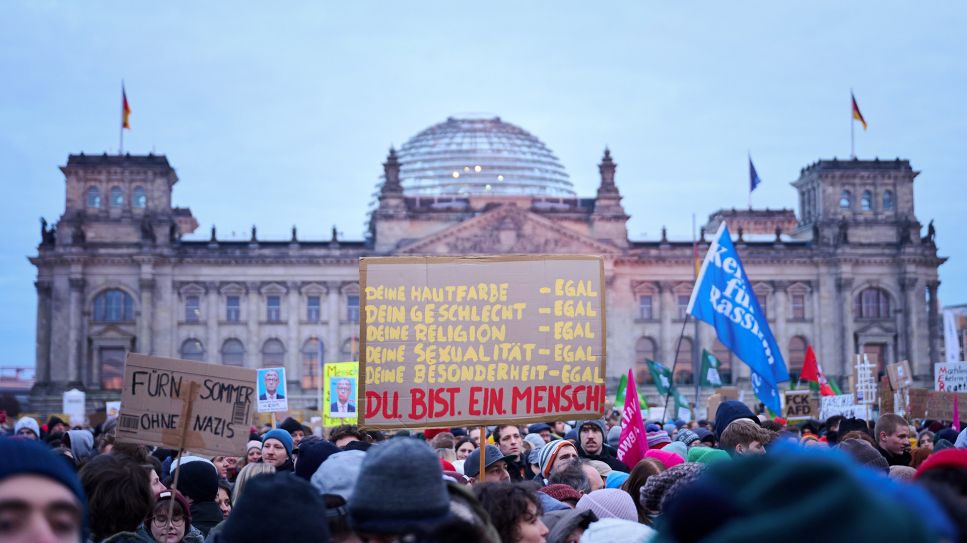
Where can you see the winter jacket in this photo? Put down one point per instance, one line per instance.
(192, 535)
(205, 516)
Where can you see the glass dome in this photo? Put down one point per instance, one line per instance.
(475, 156)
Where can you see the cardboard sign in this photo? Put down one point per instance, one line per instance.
(155, 400)
(453, 341)
(864, 380)
(800, 405)
(950, 377)
(112, 409)
(722, 394)
(843, 404)
(340, 393)
(900, 375)
(931, 404)
(271, 389)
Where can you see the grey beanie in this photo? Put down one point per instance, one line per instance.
(400, 490)
(687, 437)
(864, 453)
(338, 473)
(614, 436)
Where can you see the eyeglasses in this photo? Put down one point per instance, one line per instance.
(160, 522)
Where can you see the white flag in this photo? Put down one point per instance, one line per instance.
(951, 341)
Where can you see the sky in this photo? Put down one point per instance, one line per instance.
(280, 114)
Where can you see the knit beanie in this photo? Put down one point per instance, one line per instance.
(947, 433)
(947, 458)
(535, 440)
(312, 456)
(179, 497)
(610, 530)
(902, 473)
(729, 411)
(614, 436)
(864, 453)
(281, 436)
(707, 455)
(549, 454)
(669, 428)
(54, 420)
(561, 523)
(400, 490)
(561, 492)
(29, 457)
(279, 508)
(254, 444)
(338, 474)
(657, 485)
(199, 481)
(678, 448)
(670, 459)
(658, 439)
(597, 423)
(692, 473)
(609, 503)
(29, 423)
(290, 425)
(687, 437)
(615, 479)
(705, 436)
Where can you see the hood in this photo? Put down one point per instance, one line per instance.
(82, 444)
(729, 411)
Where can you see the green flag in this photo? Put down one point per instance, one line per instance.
(619, 400)
(683, 410)
(661, 375)
(710, 370)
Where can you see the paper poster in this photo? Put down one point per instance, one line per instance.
(156, 396)
(271, 388)
(843, 404)
(340, 393)
(950, 377)
(112, 409)
(800, 405)
(74, 408)
(450, 341)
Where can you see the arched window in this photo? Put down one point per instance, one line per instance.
(683, 363)
(725, 356)
(866, 201)
(350, 349)
(113, 305)
(93, 198)
(846, 199)
(872, 303)
(313, 355)
(645, 349)
(233, 353)
(797, 354)
(888, 200)
(273, 353)
(192, 349)
(117, 197)
(139, 198)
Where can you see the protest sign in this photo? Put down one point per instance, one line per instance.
(271, 389)
(340, 390)
(864, 381)
(73, 404)
(932, 404)
(950, 377)
(111, 409)
(155, 397)
(842, 404)
(900, 375)
(800, 405)
(721, 395)
(450, 341)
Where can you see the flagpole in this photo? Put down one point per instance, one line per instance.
(668, 394)
(121, 124)
(698, 376)
(852, 140)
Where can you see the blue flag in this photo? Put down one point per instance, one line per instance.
(723, 297)
(753, 176)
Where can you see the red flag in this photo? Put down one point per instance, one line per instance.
(125, 110)
(857, 116)
(814, 375)
(633, 443)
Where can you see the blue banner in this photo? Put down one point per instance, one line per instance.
(723, 297)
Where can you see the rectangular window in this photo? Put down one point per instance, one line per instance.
(192, 308)
(645, 310)
(112, 367)
(682, 305)
(352, 308)
(273, 306)
(313, 309)
(233, 309)
(763, 303)
(798, 307)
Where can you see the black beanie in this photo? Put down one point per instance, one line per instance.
(290, 425)
(730, 411)
(312, 456)
(400, 490)
(199, 481)
(277, 508)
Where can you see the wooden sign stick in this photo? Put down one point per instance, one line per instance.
(483, 453)
(185, 423)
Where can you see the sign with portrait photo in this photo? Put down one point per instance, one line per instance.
(271, 389)
(341, 393)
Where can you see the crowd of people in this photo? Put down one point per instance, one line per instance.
(737, 477)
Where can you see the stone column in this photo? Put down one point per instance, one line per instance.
(145, 331)
(211, 322)
(780, 317)
(293, 368)
(909, 322)
(74, 332)
(843, 287)
(42, 371)
(666, 333)
(253, 356)
(933, 328)
(332, 330)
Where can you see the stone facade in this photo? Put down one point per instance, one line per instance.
(115, 274)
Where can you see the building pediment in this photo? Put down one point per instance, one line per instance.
(886, 328)
(507, 229)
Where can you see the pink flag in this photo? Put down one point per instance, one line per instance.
(956, 421)
(633, 442)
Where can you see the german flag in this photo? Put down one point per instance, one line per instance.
(856, 111)
(126, 110)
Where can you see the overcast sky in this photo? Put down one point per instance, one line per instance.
(281, 113)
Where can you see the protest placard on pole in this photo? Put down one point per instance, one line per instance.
(934, 404)
(450, 341)
(156, 392)
(800, 405)
(341, 393)
(842, 404)
(74, 406)
(950, 377)
(864, 379)
(272, 390)
(112, 409)
(900, 375)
